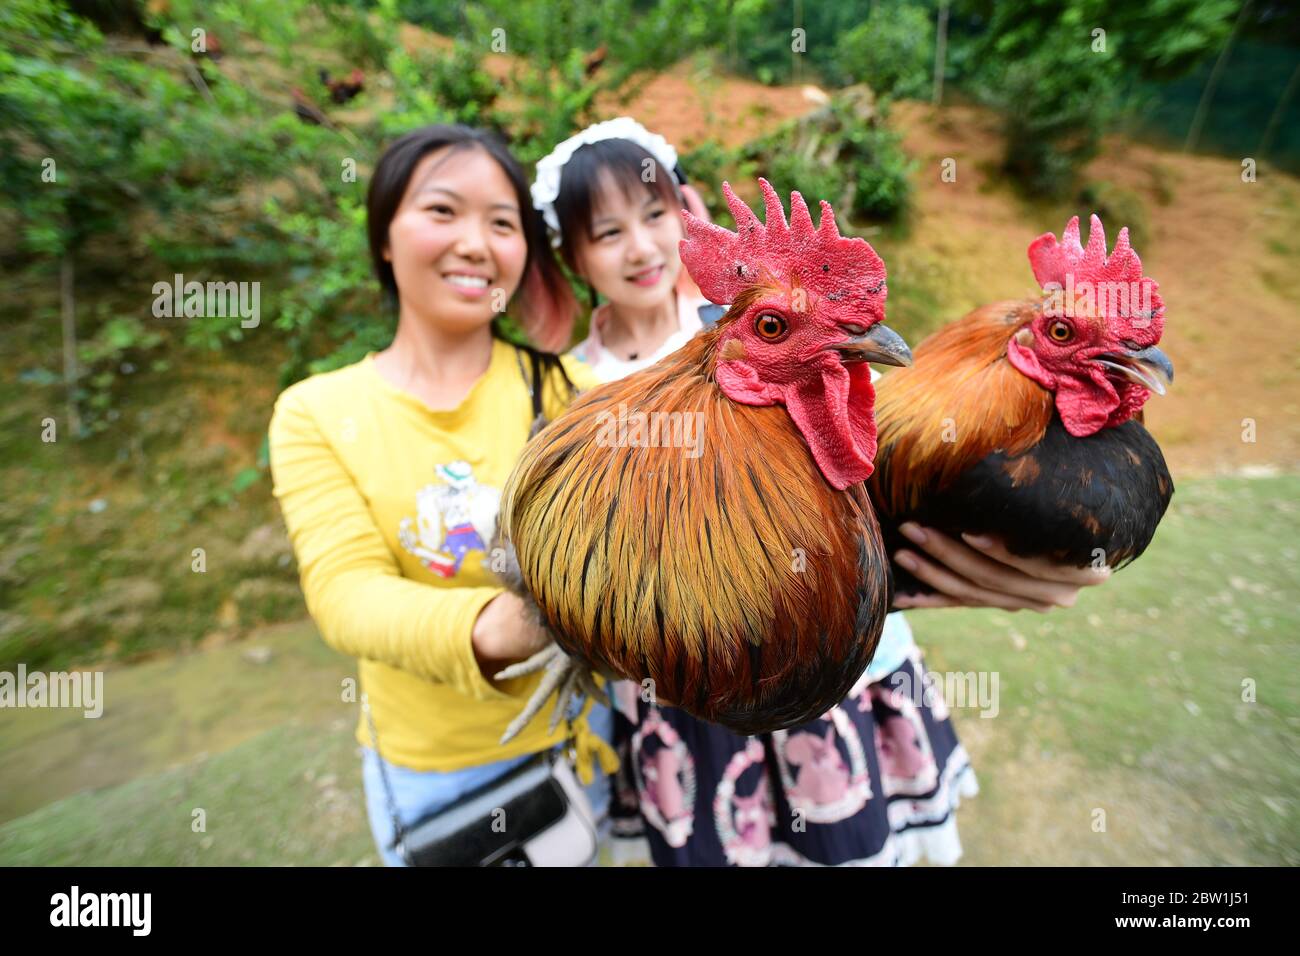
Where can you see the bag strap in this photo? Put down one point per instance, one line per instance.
(399, 831)
(533, 383)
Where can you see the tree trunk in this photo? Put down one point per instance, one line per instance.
(940, 51)
(797, 64)
(1266, 141)
(66, 298)
(733, 51)
(1203, 107)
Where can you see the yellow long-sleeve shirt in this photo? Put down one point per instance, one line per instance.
(391, 506)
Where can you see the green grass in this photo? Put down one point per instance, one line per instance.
(1141, 684)
(1130, 704)
(163, 713)
(265, 749)
(287, 795)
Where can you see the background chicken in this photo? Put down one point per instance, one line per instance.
(343, 88)
(1022, 419)
(746, 579)
(307, 111)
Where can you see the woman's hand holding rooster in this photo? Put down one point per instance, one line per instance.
(980, 572)
(503, 633)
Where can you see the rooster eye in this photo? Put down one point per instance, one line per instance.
(770, 326)
(1060, 331)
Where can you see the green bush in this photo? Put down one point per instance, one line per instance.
(759, 39)
(882, 187)
(706, 166)
(788, 171)
(1117, 207)
(1056, 103)
(1061, 72)
(122, 346)
(892, 51)
(844, 154)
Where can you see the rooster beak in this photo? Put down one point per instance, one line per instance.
(1149, 368)
(880, 344)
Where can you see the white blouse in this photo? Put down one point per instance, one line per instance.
(609, 367)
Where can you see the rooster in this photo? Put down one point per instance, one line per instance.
(343, 89)
(747, 578)
(1023, 419)
(593, 61)
(307, 111)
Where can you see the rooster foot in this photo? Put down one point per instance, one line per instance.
(572, 679)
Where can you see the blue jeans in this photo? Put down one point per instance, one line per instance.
(419, 793)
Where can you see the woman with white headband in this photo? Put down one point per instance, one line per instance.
(627, 247)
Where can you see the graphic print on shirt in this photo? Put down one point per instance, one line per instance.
(452, 519)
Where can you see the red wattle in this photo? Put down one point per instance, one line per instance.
(833, 412)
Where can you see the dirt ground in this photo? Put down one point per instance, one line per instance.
(689, 106)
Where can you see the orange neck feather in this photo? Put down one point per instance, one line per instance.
(960, 401)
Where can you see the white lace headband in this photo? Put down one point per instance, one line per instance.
(546, 187)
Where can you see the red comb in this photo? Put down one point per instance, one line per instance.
(844, 270)
(1117, 280)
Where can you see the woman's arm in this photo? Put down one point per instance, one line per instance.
(980, 572)
(354, 587)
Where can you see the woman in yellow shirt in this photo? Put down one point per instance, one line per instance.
(389, 472)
